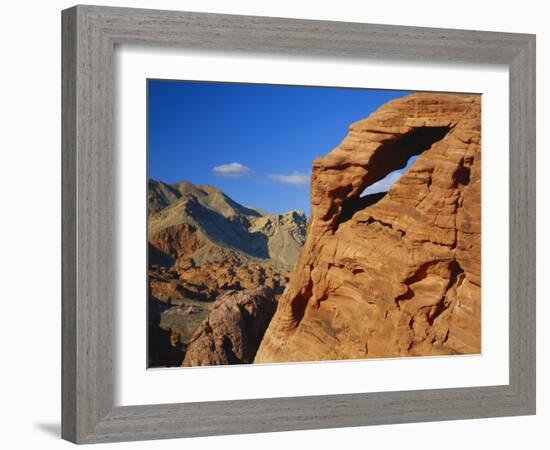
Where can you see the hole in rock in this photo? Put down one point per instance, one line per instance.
(388, 165)
(354, 204)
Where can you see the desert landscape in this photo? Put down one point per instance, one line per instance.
(215, 271)
(394, 273)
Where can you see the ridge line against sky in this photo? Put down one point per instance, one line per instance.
(254, 142)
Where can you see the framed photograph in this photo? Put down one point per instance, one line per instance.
(337, 219)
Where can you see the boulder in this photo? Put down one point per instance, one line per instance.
(233, 329)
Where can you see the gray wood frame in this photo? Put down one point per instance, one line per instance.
(89, 36)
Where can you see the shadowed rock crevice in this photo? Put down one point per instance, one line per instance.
(160, 350)
(462, 175)
(354, 204)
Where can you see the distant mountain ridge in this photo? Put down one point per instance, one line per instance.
(213, 220)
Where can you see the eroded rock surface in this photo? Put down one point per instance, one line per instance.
(399, 274)
(233, 330)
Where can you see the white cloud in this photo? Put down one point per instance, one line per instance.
(384, 184)
(295, 178)
(233, 169)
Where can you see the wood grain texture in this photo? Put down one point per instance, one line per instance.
(68, 225)
(89, 37)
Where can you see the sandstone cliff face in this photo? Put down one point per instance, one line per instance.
(233, 329)
(398, 274)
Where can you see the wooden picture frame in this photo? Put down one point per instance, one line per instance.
(90, 34)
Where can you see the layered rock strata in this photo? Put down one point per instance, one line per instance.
(399, 274)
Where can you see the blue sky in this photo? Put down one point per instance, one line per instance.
(254, 142)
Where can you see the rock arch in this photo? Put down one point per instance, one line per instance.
(400, 276)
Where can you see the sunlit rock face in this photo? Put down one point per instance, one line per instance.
(396, 274)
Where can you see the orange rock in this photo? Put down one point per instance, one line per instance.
(233, 329)
(176, 241)
(396, 274)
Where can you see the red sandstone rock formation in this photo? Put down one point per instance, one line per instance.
(233, 329)
(400, 275)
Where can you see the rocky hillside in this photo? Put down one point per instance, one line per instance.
(210, 219)
(399, 274)
(203, 244)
